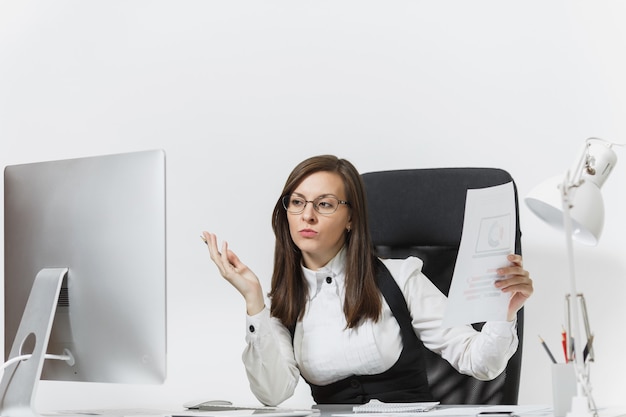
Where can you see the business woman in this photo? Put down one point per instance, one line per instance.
(353, 326)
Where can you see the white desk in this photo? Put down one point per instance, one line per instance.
(341, 410)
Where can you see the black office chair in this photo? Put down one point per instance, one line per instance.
(420, 212)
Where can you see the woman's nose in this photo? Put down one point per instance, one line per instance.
(309, 213)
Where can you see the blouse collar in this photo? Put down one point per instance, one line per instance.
(334, 268)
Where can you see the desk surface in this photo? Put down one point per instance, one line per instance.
(336, 410)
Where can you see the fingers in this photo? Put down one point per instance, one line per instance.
(515, 278)
(211, 241)
(219, 258)
(515, 259)
(524, 288)
(515, 281)
(515, 269)
(226, 261)
(225, 257)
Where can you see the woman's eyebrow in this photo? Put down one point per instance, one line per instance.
(321, 195)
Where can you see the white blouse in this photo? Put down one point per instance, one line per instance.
(324, 351)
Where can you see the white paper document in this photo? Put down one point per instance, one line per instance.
(463, 411)
(377, 406)
(487, 238)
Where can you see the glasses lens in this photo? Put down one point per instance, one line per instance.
(326, 205)
(294, 204)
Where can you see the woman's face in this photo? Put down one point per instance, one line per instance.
(319, 236)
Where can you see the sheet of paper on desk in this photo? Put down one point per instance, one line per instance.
(276, 412)
(488, 236)
(472, 411)
(462, 411)
(377, 406)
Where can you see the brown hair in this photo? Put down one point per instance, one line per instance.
(289, 290)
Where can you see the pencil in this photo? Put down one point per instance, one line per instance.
(564, 343)
(543, 343)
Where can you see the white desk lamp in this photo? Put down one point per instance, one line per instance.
(573, 203)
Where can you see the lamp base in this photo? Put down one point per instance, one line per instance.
(580, 405)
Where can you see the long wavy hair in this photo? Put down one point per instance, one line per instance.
(289, 290)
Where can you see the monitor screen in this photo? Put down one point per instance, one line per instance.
(103, 219)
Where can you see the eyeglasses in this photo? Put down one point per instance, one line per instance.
(326, 204)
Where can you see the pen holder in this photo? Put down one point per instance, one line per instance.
(563, 388)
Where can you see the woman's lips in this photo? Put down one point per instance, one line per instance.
(308, 233)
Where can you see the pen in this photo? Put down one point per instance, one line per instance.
(543, 342)
(564, 342)
(203, 239)
(587, 350)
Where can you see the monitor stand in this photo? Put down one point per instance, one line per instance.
(19, 380)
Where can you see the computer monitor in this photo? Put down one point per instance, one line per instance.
(92, 230)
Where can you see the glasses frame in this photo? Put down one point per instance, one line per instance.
(285, 201)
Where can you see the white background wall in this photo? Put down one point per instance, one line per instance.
(238, 92)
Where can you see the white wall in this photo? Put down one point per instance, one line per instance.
(238, 92)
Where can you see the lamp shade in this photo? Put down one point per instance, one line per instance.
(587, 208)
(582, 192)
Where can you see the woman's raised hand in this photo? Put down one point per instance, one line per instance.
(517, 282)
(237, 273)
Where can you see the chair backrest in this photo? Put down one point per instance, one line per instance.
(420, 212)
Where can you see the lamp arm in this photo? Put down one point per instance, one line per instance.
(574, 332)
(576, 179)
(574, 339)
